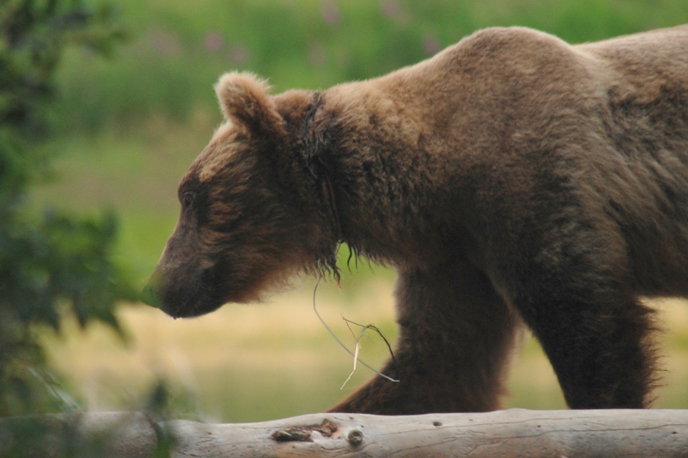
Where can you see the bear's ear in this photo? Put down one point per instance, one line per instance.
(244, 99)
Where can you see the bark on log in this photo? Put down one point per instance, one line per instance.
(511, 433)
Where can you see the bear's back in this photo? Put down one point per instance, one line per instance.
(646, 56)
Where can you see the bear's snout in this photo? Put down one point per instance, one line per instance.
(179, 293)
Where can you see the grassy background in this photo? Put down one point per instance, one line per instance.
(127, 129)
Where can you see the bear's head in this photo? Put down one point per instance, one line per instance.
(251, 213)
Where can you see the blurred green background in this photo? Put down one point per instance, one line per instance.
(126, 129)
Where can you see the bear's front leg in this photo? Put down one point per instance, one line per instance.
(455, 342)
(575, 288)
(599, 343)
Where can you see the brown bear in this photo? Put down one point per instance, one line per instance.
(512, 178)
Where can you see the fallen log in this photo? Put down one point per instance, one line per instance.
(510, 433)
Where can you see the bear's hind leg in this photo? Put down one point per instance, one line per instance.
(456, 339)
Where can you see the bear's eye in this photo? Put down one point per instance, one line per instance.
(187, 200)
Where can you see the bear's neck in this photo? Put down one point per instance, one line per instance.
(378, 181)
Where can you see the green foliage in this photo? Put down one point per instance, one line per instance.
(178, 50)
(52, 262)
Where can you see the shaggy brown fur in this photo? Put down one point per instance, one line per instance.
(510, 178)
